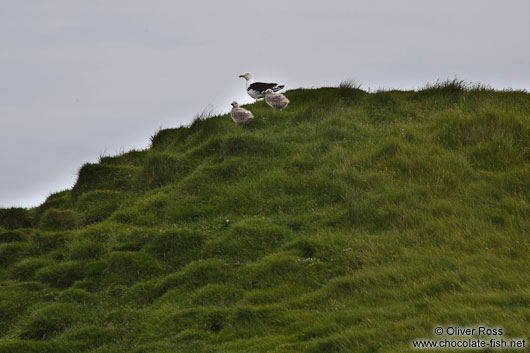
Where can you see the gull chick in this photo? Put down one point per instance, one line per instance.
(240, 116)
(276, 100)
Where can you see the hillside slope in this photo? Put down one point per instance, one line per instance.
(349, 222)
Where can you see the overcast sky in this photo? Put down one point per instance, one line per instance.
(80, 79)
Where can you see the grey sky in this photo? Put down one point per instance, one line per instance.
(83, 78)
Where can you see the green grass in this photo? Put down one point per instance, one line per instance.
(348, 222)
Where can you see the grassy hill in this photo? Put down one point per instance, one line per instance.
(349, 222)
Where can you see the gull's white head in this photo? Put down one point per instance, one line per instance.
(247, 76)
(234, 104)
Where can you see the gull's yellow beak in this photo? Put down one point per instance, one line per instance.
(241, 75)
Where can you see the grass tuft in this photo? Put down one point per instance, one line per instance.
(47, 322)
(14, 217)
(54, 219)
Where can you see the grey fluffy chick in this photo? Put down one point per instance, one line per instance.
(275, 100)
(240, 116)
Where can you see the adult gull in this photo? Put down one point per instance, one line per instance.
(257, 89)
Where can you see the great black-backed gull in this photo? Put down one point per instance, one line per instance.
(276, 100)
(257, 89)
(240, 116)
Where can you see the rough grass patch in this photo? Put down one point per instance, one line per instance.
(132, 158)
(13, 235)
(91, 337)
(93, 279)
(168, 139)
(26, 346)
(386, 107)
(514, 181)
(247, 240)
(350, 91)
(163, 168)
(211, 320)
(493, 140)
(396, 209)
(104, 177)
(15, 298)
(147, 292)
(303, 161)
(25, 270)
(49, 241)
(229, 169)
(303, 247)
(61, 275)
(59, 200)
(202, 121)
(210, 147)
(201, 272)
(458, 130)
(445, 91)
(350, 84)
(54, 219)
(74, 295)
(247, 144)
(149, 211)
(85, 250)
(12, 252)
(220, 295)
(48, 321)
(14, 217)
(175, 248)
(98, 205)
(127, 267)
(276, 269)
(253, 319)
